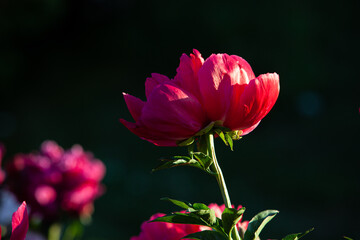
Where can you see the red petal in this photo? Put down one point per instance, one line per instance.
(187, 72)
(173, 112)
(216, 78)
(243, 64)
(146, 134)
(134, 104)
(20, 223)
(252, 103)
(153, 82)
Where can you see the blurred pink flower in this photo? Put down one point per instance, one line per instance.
(20, 223)
(171, 231)
(221, 89)
(54, 181)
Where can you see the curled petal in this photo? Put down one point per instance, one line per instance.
(245, 66)
(154, 81)
(134, 104)
(187, 72)
(20, 223)
(251, 103)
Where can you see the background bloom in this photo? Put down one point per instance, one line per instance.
(172, 231)
(55, 181)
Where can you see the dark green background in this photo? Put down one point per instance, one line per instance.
(65, 63)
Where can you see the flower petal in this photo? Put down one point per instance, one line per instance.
(173, 112)
(243, 64)
(216, 78)
(187, 72)
(153, 81)
(148, 135)
(250, 104)
(134, 104)
(20, 223)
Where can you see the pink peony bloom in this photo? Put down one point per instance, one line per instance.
(221, 89)
(55, 181)
(171, 231)
(20, 223)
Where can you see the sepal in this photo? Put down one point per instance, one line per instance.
(228, 136)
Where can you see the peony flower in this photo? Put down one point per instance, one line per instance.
(222, 89)
(20, 223)
(55, 181)
(172, 231)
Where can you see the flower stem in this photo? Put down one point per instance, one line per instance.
(220, 178)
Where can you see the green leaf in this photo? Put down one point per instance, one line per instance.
(182, 204)
(200, 206)
(348, 238)
(220, 133)
(205, 160)
(181, 218)
(296, 236)
(204, 212)
(229, 140)
(230, 217)
(205, 129)
(177, 161)
(186, 142)
(257, 224)
(207, 235)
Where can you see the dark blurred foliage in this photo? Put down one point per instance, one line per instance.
(64, 65)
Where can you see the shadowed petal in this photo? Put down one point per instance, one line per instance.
(134, 104)
(153, 81)
(146, 134)
(173, 112)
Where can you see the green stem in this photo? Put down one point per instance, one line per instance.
(220, 178)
